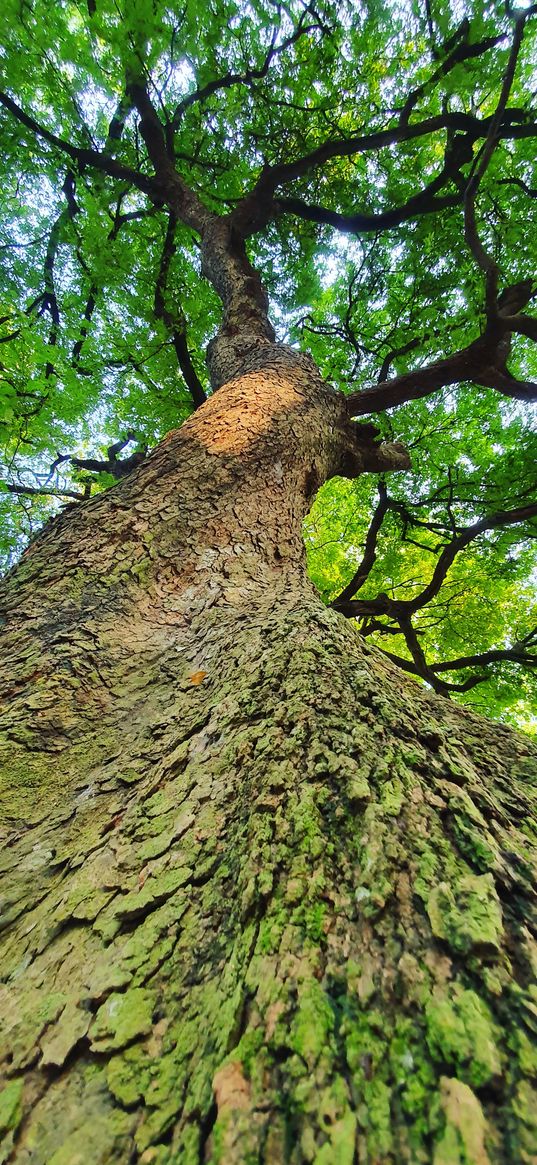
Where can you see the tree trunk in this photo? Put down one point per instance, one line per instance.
(266, 899)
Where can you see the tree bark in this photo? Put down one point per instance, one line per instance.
(265, 899)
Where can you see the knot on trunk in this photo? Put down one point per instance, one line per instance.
(365, 453)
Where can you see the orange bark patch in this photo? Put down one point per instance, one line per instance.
(231, 424)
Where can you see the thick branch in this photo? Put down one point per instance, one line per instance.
(428, 674)
(418, 654)
(449, 553)
(516, 654)
(42, 491)
(525, 325)
(414, 385)
(357, 224)
(516, 123)
(89, 309)
(224, 259)
(502, 381)
(117, 123)
(117, 467)
(482, 361)
(179, 197)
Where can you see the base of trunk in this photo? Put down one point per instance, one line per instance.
(285, 919)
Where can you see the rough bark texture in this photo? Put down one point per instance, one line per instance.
(266, 900)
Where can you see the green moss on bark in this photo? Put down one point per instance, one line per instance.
(282, 940)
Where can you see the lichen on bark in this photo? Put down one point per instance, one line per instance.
(265, 898)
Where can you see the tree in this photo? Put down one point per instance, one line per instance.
(266, 897)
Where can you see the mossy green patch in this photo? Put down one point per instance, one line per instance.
(122, 1019)
(308, 825)
(460, 1032)
(358, 789)
(426, 869)
(156, 1123)
(127, 1076)
(314, 914)
(11, 1106)
(374, 1116)
(467, 916)
(341, 1144)
(101, 1137)
(313, 1022)
(392, 796)
(526, 1050)
(153, 892)
(367, 1037)
(525, 1109)
(475, 844)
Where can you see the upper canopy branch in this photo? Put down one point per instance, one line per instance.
(174, 190)
(484, 260)
(462, 51)
(432, 672)
(224, 258)
(515, 123)
(85, 157)
(230, 79)
(365, 567)
(422, 203)
(174, 320)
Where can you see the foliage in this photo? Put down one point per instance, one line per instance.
(105, 318)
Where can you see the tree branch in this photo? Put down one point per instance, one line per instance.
(516, 123)
(368, 561)
(117, 467)
(357, 224)
(84, 156)
(515, 654)
(431, 671)
(229, 80)
(179, 197)
(173, 320)
(42, 491)
(525, 325)
(449, 553)
(442, 687)
(481, 362)
(401, 608)
(481, 256)
(463, 51)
